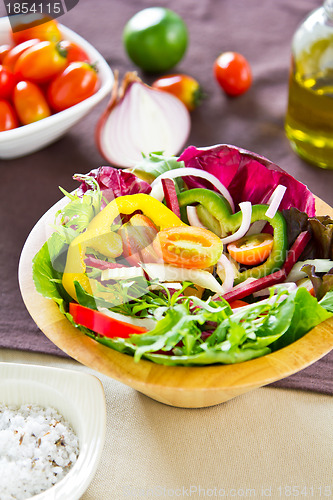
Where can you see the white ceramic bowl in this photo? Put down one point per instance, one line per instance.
(79, 398)
(30, 138)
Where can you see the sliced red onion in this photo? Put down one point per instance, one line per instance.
(274, 203)
(226, 272)
(122, 273)
(275, 200)
(193, 172)
(193, 217)
(140, 120)
(246, 209)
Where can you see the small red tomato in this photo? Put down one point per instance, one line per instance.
(73, 52)
(186, 88)
(13, 54)
(233, 73)
(4, 49)
(8, 118)
(48, 31)
(40, 63)
(75, 84)
(30, 103)
(7, 82)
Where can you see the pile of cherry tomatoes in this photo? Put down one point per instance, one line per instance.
(42, 74)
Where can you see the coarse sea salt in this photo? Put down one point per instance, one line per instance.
(37, 449)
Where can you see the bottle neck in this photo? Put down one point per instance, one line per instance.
(328, 6)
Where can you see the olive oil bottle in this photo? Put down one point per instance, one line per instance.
(309, 118)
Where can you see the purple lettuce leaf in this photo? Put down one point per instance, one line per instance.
(248, 176)
(113, 183)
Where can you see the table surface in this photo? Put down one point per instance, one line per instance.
(261, 444)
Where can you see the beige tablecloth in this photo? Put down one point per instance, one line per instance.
(270, 442)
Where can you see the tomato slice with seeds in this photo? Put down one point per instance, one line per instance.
(188, 246)
(251, 250)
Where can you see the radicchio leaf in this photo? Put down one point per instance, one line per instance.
(248, 176)
(113, 183)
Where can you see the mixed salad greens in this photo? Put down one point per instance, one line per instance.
(213, 257)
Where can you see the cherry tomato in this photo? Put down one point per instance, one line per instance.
(238, 303)
(75, 84)
(8, 118)
(186, 88)
(48, 31)
(7, 82)
(233, 73)
(189, 247)
(251, 250)
(13, 54)
(30, 103)
(40, 63)
(4, 49)
(73, 52)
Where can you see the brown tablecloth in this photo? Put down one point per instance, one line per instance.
(262, 31)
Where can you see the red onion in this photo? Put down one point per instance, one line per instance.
(139, 120)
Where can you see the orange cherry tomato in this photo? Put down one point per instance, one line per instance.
(188, 246)
(40, 63)
(30, 103)
(73, 52)
(251, 250)
(4, 49)
(7, 82)
(233, 73)
(238, 303)
(48, 31)
(14, 53)
(186, 88)
(8, 118)
(75, 84)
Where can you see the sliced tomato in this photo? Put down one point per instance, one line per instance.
(102, 324)
(189, 247)
(251, 250)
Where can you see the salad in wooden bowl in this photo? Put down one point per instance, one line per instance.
(192, 279)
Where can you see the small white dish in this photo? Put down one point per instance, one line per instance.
(35, 136)
(79, 398)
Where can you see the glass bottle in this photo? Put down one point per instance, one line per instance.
(309, 118)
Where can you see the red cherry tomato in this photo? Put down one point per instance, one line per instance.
(48, 31)
(186, 88)
(233, 73)
(40, 63)
(75, 84)
(8, 118)
(30, 103)
(13, 54)
(7, 82)
(73, 52)
(4, 49)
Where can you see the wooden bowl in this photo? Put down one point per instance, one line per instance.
(187, 387)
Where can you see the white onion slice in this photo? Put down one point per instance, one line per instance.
(121, 273)
(166, 284)
(265, 292)
(193, 217)
(165, 272)
(321, 266)
(246, 209)
(144, 322)
(275, 201)
(141, 120)
(226, 272)
(194, 172)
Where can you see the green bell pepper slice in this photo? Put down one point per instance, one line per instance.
(219, 208)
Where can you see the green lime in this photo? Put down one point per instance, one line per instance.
(155, 39)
